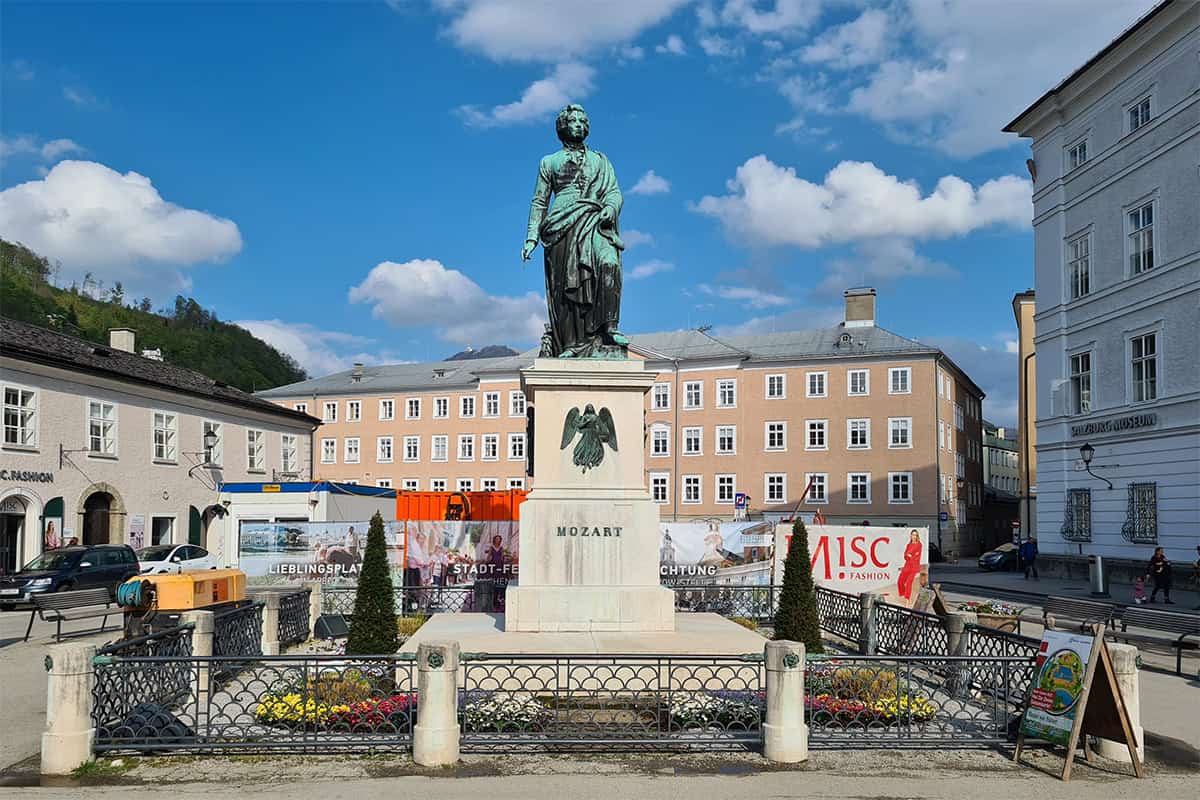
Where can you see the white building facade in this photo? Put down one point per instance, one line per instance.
(1116, 161)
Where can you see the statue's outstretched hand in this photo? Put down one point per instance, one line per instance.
(606, 216)
(528, 249)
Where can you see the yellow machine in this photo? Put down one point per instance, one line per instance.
(157, 600)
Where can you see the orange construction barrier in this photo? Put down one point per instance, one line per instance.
(504, 505)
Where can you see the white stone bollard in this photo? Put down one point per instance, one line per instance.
(203, 630)
(270, 623)
(1124, 660)
(315, 600)
(785, 736)
(436, 734)
(69, 735)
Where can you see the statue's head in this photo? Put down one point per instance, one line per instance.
(572, 124)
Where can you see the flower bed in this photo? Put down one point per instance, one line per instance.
(503, 712)
(993, 613)
(293, 710)
(691, 710)
(861, 697)
(390, 713)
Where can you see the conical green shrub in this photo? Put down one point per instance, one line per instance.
(373, 626)
(796, 618)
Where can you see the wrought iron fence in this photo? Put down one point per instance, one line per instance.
(120, 686)
(408, 599)
(238, 632)
(909, 701)
(275, 703)
(618, 702)
(901, 631)
(840, 613)
(294, 624)
(757, 603)
(984, 642)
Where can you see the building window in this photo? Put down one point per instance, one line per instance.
(1141, 239)
(411, 484)
(465, 485)
(1139, 114)
(441, 447)
(437, 484)
(1079, 266)
(726, 440)
(958, 416)
(776, 436)
(1144, 363)
(329, 412)
(441, 407)
(1081, 383)
(941, 434)
(516, 447)
(255, 441)
(213, 455)
(901, 487)
(466, 406)
(691, 489)
(817, 439)
(166, 430)
(384, 483)
(387, 409)
(516, 483)
(1141, 515)
(1077, 154)
(491, 404)
(162, 530)
(726, 488)
(659, 482)
(329, 451)
(900, 380)
(466, 447)
(859, 486)
(858, 382)
(776, 387)
(353, 410)
(489, 484)
(816, 384)
(858, 434)
(20, 417)
(692, 397)
(301, 407)
(960, 516)
(960, 465)
(491, 446)
(899, 432)
(726, 393)
(660, 397)
(350, 455)
(412, 408)
(288, 461)
(817, 483)
(691, 441)
(660, 442)
(516, 403)
(412, 449)
(383, 449)
(776, 487)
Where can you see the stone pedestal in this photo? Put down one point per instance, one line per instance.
(589, 538)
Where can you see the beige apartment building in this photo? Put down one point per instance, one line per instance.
(854, 421)
(1024, 308)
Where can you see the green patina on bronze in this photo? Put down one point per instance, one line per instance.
(580, 236)
(595, 431)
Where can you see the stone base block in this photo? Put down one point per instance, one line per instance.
(559, 609)
(785, 744)
(435, 747)
(63, 752)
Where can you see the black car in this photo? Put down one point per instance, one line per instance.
(1003, 558)
(67, 568)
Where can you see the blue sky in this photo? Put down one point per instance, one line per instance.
(351, 180)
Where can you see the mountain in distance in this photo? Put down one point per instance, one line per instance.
(491, 351)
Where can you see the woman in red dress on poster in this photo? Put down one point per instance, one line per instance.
(912, 565)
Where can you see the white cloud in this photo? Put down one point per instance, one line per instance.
(861, 41)
(993, 371)
(652, 267)
(549, 30)
(1010, 346)
(800, 319)
(651, 183)
(770, 204)
(746, 295)
(59, 147)
(318, 352)
(21, 70)
(781, 16)
(879, 262)
(631, 53)
(424, 292)
(27, 145)
(16, 145)
(88, 216)
(634, 238)
(719, 46)
(673, 45)
(567, 83)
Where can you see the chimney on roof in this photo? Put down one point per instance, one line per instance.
(121, 339)
(860, 307)
(357, 373)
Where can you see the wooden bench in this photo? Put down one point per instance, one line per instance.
(61, 607)
(1172, 628)
(1085, 613)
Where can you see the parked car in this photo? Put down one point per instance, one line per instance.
(67, 568)
(1003, 557)
(166, 559)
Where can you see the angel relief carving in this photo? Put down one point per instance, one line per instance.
(594, 431)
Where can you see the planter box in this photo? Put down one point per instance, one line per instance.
(1000, 622)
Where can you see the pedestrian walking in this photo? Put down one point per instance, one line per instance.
(1028, 553)
(1159, 571)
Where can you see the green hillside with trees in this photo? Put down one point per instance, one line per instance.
(188, 335)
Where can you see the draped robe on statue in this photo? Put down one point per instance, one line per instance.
(583, 257)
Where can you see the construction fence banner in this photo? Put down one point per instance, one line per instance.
(715, 552)
(299, 552)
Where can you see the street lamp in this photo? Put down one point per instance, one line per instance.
(210, 443)
(1087, 453)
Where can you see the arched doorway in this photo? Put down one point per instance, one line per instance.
(12, 528)
(96, 510)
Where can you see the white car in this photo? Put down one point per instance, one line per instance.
(167, 559)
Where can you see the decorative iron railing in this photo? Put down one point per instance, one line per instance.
(294, 624)
(984, 643)
(408, 599)
(901, 631)
(238, 632)
(840, 614)
(120, 686)
(618, 702)
(756, 603)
